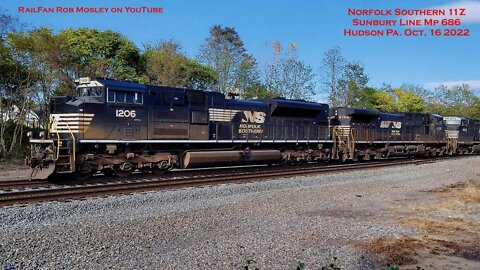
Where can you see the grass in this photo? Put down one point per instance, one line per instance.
(399, 251)
(457, 196)
(452, 236)
(471, 191)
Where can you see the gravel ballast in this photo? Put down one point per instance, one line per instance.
(276, 223)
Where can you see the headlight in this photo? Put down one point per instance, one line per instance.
(42, 134)
(29, 134)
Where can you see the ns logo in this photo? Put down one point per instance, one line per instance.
(391, 124)
(253, 117)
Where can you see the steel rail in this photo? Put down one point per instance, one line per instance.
(13, 184)
(8, 185)
(128, 187)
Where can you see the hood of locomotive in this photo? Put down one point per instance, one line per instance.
(70, 118)
(73, 116)
(454, 126)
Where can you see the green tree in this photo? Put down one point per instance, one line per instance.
(16, 91)
(225, 53)
(167, 66)
(390, 100)
(92, 53)
(248, 77)
(41, 52)
(407, 101)
(351, 84)
(258, 90)
(374, 99)
(289, 77)
(367, 98)
(384, 102)
(333, 64)
(418, 90)
(458, 100)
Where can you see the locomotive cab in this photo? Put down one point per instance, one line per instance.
(98, 109)
(94, 93)
(463, 133)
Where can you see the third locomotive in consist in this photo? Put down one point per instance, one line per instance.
(118, 127)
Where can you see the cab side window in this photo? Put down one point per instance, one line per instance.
(139, 98)
(119, 97)
(129, 97)
(111, 96)
(124, 97)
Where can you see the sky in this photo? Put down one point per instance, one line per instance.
(315, 26)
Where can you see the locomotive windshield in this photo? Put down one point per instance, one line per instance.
(90, 93)
(453, 122)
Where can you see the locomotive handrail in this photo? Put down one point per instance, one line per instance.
(48, 128)
(58, 139)
(73, 139)
(352, 139)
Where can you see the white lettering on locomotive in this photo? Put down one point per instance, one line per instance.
(391, 124)
(253, 117)
(125, 113)
(256, 119)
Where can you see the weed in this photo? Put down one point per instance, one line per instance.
(250, 265)
(396, 252)
(471, 192)
(300, 265)
(333, 265)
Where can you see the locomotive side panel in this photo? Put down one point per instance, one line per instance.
(169, 115)
(240, 121)
(118, 114)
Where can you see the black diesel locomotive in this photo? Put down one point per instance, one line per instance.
(118, 127)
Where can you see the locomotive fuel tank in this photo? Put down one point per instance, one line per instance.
(224, 158)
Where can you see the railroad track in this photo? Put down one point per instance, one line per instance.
(99, 189)
(15, 184)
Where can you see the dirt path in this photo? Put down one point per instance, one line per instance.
(448, 224)
(13, 170)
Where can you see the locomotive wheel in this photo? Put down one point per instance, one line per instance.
(159, 171)
(84, 172)
(82, 176)
(121, 173)
(122, 170)
(108, 172)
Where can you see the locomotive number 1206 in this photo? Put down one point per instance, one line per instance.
(125, 113)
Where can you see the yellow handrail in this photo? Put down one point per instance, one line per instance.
(73, 139)
(58, 138)
(352, 140)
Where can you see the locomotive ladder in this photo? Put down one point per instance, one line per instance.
(65, 152)
(343, 143)
(452, 144)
